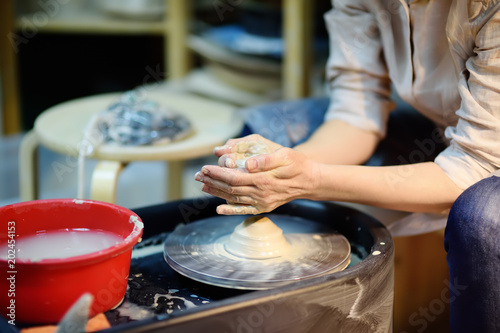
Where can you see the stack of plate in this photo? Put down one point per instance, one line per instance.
(134, 9)
(243, 71)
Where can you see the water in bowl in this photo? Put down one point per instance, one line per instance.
(59, 244)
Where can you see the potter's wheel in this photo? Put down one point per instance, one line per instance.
(198, 250)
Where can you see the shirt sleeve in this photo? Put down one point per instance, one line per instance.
(474, 151)
(358, 81)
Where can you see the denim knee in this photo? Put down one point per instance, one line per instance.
(474, 219)
(288, 122)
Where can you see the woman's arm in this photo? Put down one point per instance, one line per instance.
(421, 187)
(337, 142)
(270, 180)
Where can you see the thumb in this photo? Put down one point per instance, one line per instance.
(267, 162)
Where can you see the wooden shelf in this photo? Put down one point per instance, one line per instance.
(174, 24)
(95, 23)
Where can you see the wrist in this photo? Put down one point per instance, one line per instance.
(313, 182)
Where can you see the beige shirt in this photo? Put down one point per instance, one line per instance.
(442, 57)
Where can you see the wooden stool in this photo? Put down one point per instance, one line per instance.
(61, 129)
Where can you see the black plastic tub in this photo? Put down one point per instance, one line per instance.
(358, 299)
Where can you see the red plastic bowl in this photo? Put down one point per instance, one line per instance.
(42, 291)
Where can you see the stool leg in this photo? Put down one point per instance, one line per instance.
(28, 162)
(174, 179)
(297, 27)
(104, 181)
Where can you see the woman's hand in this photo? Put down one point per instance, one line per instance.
(268, 180)
(236, 152)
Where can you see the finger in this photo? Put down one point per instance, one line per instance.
(241, 190)
(267, 162)
(230, 198)
(231, 177)
(243, 146)
(241, 153)
(227, 161)
(237, 160)
(230, 144)
(237, 210)
(257, 148)
(222, 150)
(214, 183)
(236, 194)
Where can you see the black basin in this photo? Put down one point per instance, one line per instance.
(357, 299)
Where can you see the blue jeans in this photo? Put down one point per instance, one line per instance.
(473, 255)
(473, 227)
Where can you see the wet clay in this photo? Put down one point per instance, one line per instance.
(255, 253)
(247, 149)
(257, 237)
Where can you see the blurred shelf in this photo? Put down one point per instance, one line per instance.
(173, 24)
(93, 22)
(203, 82)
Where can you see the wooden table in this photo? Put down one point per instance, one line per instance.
(60, 129)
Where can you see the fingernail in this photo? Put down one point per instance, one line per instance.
(204, 171)
(229, 163)
(198, 176)
(251, 164)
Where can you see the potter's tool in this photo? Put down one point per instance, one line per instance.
(226, 252)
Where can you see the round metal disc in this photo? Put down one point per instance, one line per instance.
(197, 251)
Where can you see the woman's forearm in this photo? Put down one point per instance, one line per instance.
(270, 180)
(338, 147)
(337, 142)
(422, 187)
